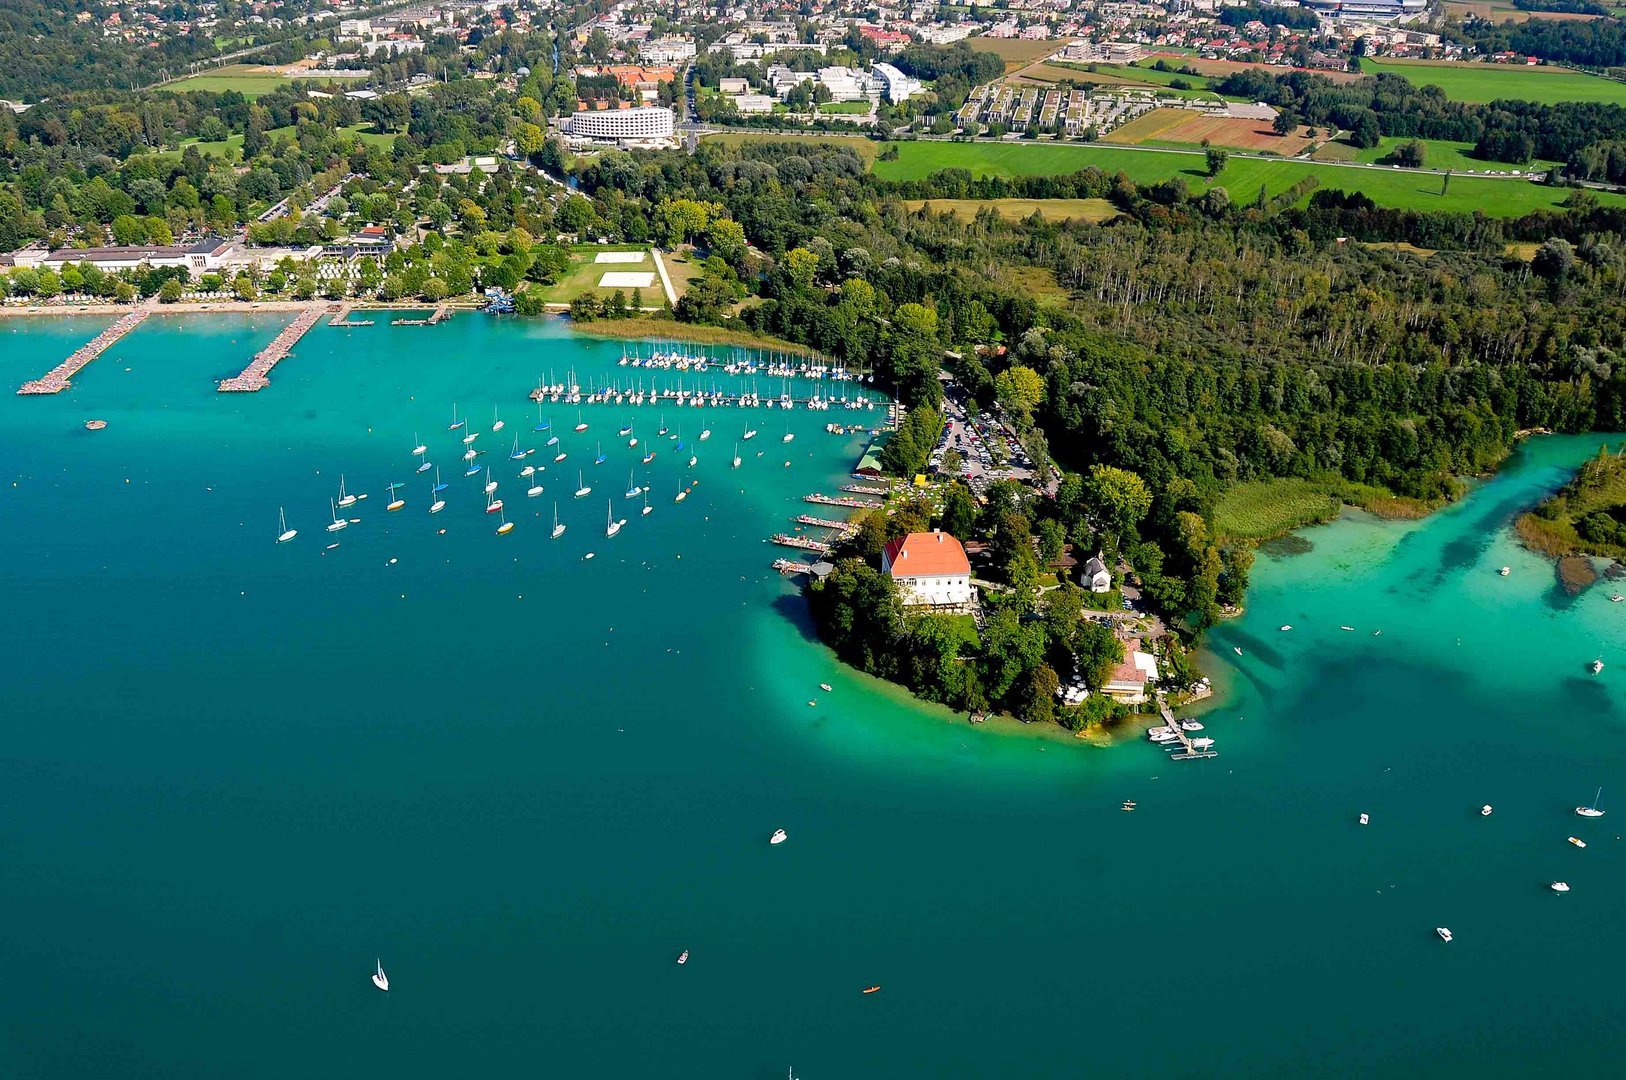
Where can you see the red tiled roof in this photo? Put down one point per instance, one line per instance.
(933, 554)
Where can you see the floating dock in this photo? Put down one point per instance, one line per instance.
(848, 501)
(441, 313)
(59, 378)
(803, 542)
(786, 566)
(1189, 752)
(826, 523)
(342, 319)
(254, 377)
(864, 489)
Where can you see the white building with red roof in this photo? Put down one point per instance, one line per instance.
(929, 569)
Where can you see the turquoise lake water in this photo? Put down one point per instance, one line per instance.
(234, 772)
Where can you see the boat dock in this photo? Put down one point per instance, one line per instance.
(826, 523)
(803, 542)
(786, 566)
(59, 378)
(254, 377)
(1188, 752)
(343, 319)
(441, 313)
(864, 489)
(848, 501)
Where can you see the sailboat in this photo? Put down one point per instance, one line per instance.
(285, 534)
(496, 424)
(683, 493)
(736, 456)
(750, 433)
(649, 456)
(436, 503)
(647, 507)
(633, 490)
(581, 425)
(491, 485)
(470, 437)
(456, 423)
(558, 529)
(693, 460)
(439, 487)
(625, 431)
(380, 980)
(560, 456)
(541, 424)
(663, 428)
(395, 504)
(789, 435)
(614, 526)
(506, 526)
(425, 465)
(705, 433)
(529, 470)
(473, 469)
(516, 453)
(600, 459)
(534, 490)
(344, 498)
(338, 522)
(1591, 811)
(581, 488)
(420, 449)
(493, 504)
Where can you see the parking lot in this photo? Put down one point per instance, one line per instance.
(988, 450)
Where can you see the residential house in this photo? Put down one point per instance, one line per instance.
(1096, 577)
(1130, 680)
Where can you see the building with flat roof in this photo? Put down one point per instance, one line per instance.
(895, 85)
(644, 125)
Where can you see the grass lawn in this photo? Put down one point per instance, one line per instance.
(1093, 210)
(249, 79)
(584, 274)
(1242, 176)
(1442, 154)
(1488, 82)
(231, 147)
(865, 148)
(848, 108)
(682, 266)
(1263, 509)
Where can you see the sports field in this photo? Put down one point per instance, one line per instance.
(1479, 82)
(1242, 177)
(586, 273)
(1092, 210)
(250, 80)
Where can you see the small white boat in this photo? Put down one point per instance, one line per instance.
(705, 434)
(558, 529)
(380, 980)
(469, 455)
(1485, 811)
(1505, 571)
(437, 506)
(825, 687)
(420, 449)
(1444, 932)
(285, 534)
(491, 485)
(1597, 665)
(683, 957)
(496, 424)
(1237, 649)
(647, 507)
(1560, 886)
(1617, 598)
(613, 525)
(1591, 811)
(1287, 627)
(345, 499)
(750, 433)
(1349, 628)
(581, 488)
(1190, 725)
(338, 522)
(534, 490)
(1366, 819)
(779, 837)
(789, 435)
(470, 437)
(1577, 841)
(529, 470)
(736, 456)
(1202, 744)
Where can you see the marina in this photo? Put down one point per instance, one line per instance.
(256, 376)
(60, 377)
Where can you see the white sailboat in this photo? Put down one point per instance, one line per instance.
(736, 456)
(420, 449)
(436, 503)
(284, 534)
(491, 485)
(558, 529)
(705, 433)
(581, 425)
(613, 526)
(581, 488)
(380, 980)
(1591, 811)
(338, 522)
(750, 433)
(534, 490)
(683, 493)
(647, 507)
(345, 498)
(470, 437)
(496, 424)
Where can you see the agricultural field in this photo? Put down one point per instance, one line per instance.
(1016, 52)
(1261, 510)
(1242, 177)
(1479, 82)
(1091, 210)
(1050, 74)
(1218, 68)
(1441, 154)
(1188, 128)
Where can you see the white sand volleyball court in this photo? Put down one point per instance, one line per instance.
(626, 279)
(619, 257)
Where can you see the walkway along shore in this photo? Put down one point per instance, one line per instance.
(58, 378)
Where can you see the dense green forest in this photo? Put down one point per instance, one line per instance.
(1596, 43)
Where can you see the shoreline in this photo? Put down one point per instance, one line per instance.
(694, 333)
(218, 307)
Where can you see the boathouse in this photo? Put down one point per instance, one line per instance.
(930, 569)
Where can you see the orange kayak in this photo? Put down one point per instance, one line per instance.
(871, 989)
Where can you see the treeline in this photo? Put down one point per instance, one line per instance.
(1294, 18)
(1593, 43)
(1569, 7)
(1389, 104)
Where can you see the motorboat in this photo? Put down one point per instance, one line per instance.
(380, 980)
(1190, 725)
(1366, 819)
(1560, 886)
(1202, 744)
(683, 957)
(1351, 629)
(1591, 811)
(1444, 932)
(826, 687)
(1237, 649)
(779, 837)
(284, 534)
(1505, 571)
(871, 989)
(1286, 627)
(1597, 665)
(1577, 841)
(1485, 811)
(1617, 598)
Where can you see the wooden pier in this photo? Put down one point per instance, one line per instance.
(439, 315)
(1190, 752)
(804, 543)
(342, 319)
(59, 378)
(786, 566)
(842, 500)
(254, 377)
(844, 527)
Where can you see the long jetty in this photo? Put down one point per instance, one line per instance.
(788, 566)
(254, 377)
(826, 523)
(842, 500)
(1190, 751)
(805, 543)
(59, 378)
